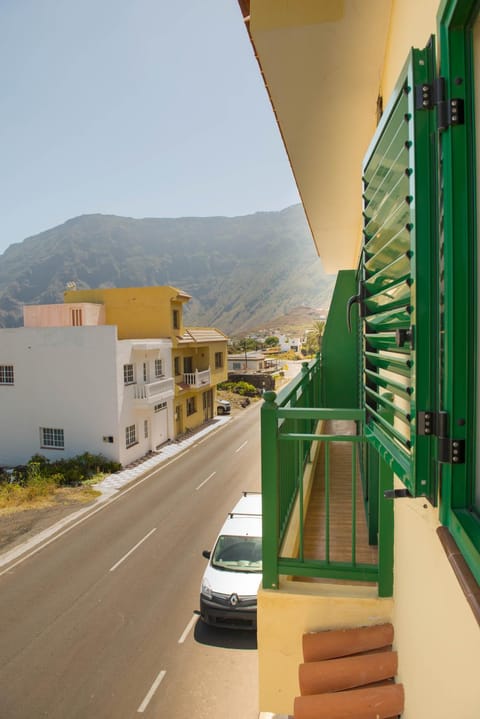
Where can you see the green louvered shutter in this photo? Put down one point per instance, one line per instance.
(397, 287)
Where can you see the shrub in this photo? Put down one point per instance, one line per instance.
(245, 389)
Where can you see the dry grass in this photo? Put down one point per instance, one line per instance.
(39, 495)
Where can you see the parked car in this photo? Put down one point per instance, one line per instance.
(228, 592)
(223, 406)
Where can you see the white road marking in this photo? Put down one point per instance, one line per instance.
(151, 692)
(38, 546)
(188, 628)
(241, 446)
(112, 569)
(39, 541)
(206, 480)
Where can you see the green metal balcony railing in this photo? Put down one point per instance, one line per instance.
(293, 441)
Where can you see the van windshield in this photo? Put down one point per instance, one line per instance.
(238, 554)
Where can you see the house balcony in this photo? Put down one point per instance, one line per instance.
(150, 393)
(325, 517)
(327, 525)
(197, 379)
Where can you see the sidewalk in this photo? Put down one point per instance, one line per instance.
(113, 482)
(109, 487)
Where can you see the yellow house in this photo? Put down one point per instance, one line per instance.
(370, 460)
(198, 353)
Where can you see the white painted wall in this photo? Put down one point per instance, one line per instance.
(63, 379)
(71, 378)
(138, 352)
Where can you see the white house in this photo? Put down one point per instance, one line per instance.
(246, 361)
(287, 343)
(67, 390)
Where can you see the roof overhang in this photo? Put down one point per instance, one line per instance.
(322, 65)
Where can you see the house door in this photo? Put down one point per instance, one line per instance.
(208, 404)
(160, 425)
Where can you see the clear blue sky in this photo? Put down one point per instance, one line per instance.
(142, 108)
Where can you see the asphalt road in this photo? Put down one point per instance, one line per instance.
(100, 623)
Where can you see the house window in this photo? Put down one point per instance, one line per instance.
(398, 227)
(145, 428)
(176, 366)
(459, 285)
(158, 368)
(237, 365)
(145, 372)
(218, 360)
(158, 407)
(191, 406)
(52, 438)
(128, 374)
(6, 374)
(77, 319)
(176, 319)
(130, 436)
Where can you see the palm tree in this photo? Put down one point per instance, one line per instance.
(314, 337)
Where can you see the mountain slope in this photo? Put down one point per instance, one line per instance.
(240, 271)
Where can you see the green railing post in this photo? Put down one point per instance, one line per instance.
(270, 491)
(372, 493)
(385, 531)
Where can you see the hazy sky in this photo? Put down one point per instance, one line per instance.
(143, 108)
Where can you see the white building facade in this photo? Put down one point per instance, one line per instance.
(69, 390)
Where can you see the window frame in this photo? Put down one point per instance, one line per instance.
(7, 370)
(131, 435)
(190, 406)
(219, 360)
(128, 373)
(158, 368)
(57, 438)
(460, 243)
(176, 319)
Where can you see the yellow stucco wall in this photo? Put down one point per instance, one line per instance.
(138, 312)
(284, 615)
(436, 634)
(411, 24)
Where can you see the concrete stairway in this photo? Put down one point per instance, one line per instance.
(349, 674)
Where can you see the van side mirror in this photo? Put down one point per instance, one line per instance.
(206, 554)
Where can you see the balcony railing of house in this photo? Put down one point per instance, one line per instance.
(197, 379)
(294, 445)
(153, 390)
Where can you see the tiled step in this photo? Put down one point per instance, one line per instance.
(349, 674)
(344, 642)
(333, 675)
(383, 702)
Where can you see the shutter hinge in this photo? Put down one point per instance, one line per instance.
(450, 451)
(430, 95)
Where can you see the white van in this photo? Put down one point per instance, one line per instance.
(228, 593)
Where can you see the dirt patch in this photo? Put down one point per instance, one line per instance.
(236, 400)
(17, 524)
